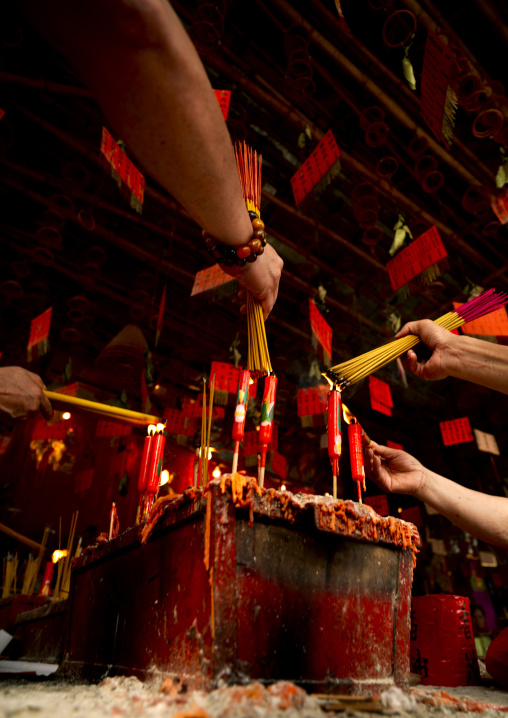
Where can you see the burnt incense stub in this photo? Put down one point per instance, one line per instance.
(242, 584)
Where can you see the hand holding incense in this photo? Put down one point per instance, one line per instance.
(334, 433)
(242, 397)
(354, 370)
(266, 428)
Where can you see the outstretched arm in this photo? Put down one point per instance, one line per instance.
(22, 395)
(462, 357)
(145, 73)
(481, 515)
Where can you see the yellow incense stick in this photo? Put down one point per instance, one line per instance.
(109, 412)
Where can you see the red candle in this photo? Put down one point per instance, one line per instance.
(46, 579)
(355, 450)
(334, 433)
(334, 425)
(156, 455)
(145, 459)
(242, 398)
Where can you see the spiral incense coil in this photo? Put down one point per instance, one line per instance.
(359, 368)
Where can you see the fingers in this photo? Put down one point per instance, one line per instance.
(45, 407)
(411, 361)
(409, 328)
(385, 452)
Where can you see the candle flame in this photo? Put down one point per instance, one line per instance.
(216, 473)
(330, 382)
(58, 554)
(160, 428)
(164, 477)
(151, 429)
(349, 418)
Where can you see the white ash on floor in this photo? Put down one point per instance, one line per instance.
(129, 697)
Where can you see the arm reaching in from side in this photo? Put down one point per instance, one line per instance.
(22, 394)
(140, 64)
(481, 515)
(462, 357)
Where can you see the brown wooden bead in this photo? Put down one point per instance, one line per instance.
(258, 224)
(261, 250)
(243, 252)
(255, 245)
(204, 234)
(217, 253)
(210, 242)
(258, 234)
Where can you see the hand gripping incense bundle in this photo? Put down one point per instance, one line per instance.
(249, 170)
(360, 367)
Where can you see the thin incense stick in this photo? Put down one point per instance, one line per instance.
(356, 369)
(209, 428)
(135, 418)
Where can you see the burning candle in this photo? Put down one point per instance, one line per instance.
(145, 467)
(46, 579)
(266, 428)
(334, 433)
(242, 397)
(145, 459)
(155, 469)
(354, 431)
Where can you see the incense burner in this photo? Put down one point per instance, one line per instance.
(241, 584)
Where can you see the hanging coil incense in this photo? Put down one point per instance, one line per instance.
(360, 367)
(249, 170)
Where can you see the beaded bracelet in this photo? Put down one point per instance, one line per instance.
(231, 256)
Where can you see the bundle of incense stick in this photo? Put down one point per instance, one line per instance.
(206, 428)
(249, 170)
(9, 575)
(29, 576)
(360, 367)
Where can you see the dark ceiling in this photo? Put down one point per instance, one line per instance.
(69, 239)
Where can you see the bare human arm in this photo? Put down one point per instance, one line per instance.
(462, 357)
(481, 515)
(22, 395)
(146, 75)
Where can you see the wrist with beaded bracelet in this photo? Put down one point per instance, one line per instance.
(232, 256)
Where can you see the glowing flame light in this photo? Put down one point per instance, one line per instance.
(349, 418)
(66, 415)
(330, 382)
(283, 487)
(151, 429)
(216, 473)
(58, 554)
(160, 428)
(164, 477)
